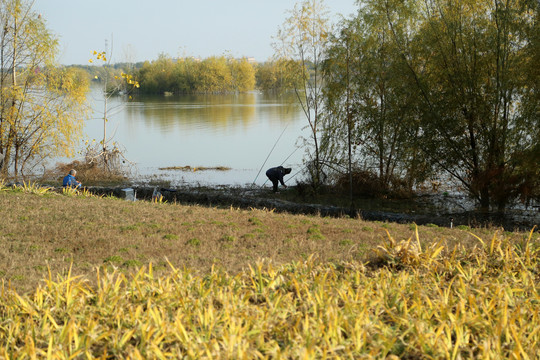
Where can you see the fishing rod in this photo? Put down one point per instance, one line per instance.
(289, 156)
(273, 147)
(292, 176)
(296, 173)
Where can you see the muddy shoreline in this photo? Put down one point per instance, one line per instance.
(246, 198)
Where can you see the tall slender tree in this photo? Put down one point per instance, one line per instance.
(303, 38)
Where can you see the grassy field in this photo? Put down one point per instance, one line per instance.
(89, 277)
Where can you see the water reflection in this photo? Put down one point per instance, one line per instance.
(195, 112)
(214, 113)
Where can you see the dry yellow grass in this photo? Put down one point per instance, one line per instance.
(242, 284)
(53, 230)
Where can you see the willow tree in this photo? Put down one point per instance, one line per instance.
(449, 84)
(158, 76)
(42, 107)
(302, 38)
(369, 104)
(275, 75)
(214, 76)
(243, 74)
(472, 62)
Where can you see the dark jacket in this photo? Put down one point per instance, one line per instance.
(276, 174)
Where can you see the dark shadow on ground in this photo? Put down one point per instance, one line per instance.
(423, 210)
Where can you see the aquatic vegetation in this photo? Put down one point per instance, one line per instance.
(196, 168)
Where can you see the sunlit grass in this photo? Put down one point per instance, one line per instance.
(28, 187)
(466, 304)
(151, 280)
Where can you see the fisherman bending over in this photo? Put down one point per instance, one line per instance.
(276, 174)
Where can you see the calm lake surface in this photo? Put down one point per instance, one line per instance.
(236, 131)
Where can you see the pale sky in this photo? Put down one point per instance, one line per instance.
(143, 29)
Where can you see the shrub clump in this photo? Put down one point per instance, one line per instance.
(370, 185)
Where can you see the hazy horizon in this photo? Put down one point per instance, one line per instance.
(141, 30)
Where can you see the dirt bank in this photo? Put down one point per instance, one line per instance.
(262, 199)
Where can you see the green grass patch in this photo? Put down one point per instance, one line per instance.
(255, 221)
(170, 237)
(228, 238)
(194, 242)
(315, 233)
(114, 259)
(132, 263)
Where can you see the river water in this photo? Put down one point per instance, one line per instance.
(248, 133)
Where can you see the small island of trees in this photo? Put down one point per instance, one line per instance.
(189, 75)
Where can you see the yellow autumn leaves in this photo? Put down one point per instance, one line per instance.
(99, 56)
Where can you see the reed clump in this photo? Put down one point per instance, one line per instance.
(413, 301)
(95, 170)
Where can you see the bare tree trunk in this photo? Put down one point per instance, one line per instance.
(12, 128)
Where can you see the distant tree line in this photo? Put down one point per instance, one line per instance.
(216, 74)
(188, 75)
